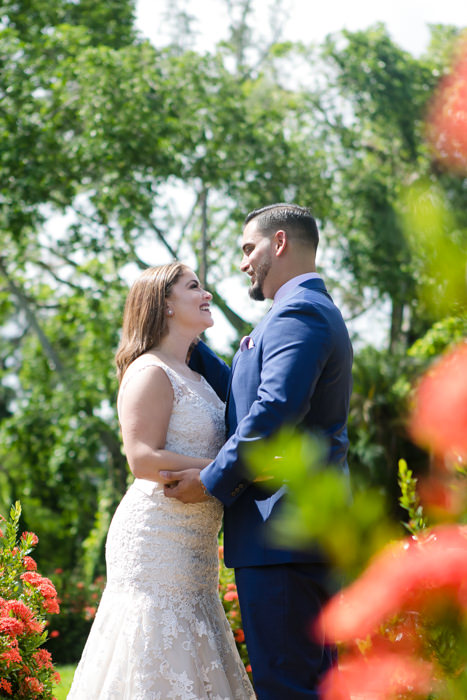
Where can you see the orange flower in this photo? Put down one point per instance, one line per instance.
(239, 636)
(447, 116)
(404, 573)
(34, 537)
(33, 684)
(29, 563)
(43, 658)
(11, 626)
(11, 656)
(6, 686)
(439, 420)
(443, 496)
(382, 676)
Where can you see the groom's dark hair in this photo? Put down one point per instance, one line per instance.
(297, 221)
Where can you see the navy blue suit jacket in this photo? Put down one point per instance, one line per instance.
(297, 372)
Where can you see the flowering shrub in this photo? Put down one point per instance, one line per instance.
(26, 598)
(229, 597)
(403, 623)
(78, 605)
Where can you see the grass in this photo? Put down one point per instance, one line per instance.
(66, 675)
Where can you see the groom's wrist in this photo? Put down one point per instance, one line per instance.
(203, 487)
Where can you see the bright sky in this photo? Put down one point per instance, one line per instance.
(310, 21)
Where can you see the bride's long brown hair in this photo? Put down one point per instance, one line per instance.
(144, 317)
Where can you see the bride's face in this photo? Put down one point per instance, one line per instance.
(188, 304)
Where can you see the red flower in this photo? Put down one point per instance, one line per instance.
(90, 612)
(447, 117)
(23, 613)
(43, 658)
(221, 552)
(239, 635)
(43, 584)
(404, 573)
(382, 676)
(11, 656)
(34, 537)
(11, 626)
(442, 496)
(248, 668)
(29, 563)
(231, 595)
(54, 634)
(439, 420)
(51, 606)
(33, 684)
(6, 686)
(231, 587)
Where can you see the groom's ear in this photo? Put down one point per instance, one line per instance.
(279, 242)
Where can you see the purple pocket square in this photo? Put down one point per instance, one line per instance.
(247, 343)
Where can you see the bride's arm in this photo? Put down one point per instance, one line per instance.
(145, 409)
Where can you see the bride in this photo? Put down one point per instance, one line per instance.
(160, 631)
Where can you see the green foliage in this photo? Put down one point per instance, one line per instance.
(229, 598)
(432, 229)
(409, 500)
(79, 600)
(319, 507)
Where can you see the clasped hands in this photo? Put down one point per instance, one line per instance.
(184, 485)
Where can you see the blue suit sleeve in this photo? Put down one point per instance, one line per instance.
(295, 348)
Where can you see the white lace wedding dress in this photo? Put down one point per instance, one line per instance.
(160, 632)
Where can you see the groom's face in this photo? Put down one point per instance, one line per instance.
(256, 261)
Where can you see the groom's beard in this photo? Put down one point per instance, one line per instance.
(256, 289)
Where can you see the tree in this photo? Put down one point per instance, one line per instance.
(95, 126)
(373, 106)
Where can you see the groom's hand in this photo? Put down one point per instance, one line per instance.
(184, 485)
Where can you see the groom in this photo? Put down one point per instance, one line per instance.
(294, 369)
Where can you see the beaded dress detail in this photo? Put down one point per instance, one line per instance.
(160, 632)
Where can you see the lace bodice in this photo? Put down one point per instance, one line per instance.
(196, 427)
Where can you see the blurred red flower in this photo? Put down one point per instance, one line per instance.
(380, 676)
(447, 115)
(439, 419)
(443, 496)
(239, 635)
(403, 574)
